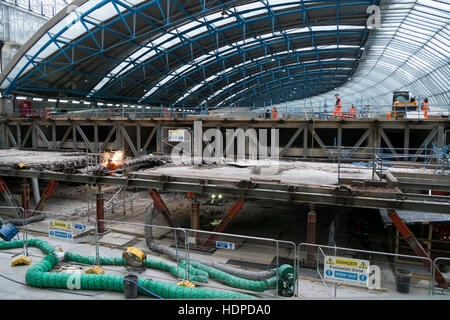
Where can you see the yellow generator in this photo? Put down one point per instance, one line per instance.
(403, 103)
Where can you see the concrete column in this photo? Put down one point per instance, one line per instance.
(36, 193)
(158, 138)
(406, 143)
(305, 142)
(138, 140)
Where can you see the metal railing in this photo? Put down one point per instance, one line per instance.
(338, 271)
(142, 112)
(378, 274)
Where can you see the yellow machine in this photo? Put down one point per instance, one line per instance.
(402, 102)
(21, 260)
(95, 270)
(134, 257)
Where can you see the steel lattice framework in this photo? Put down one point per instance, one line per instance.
(192, 53)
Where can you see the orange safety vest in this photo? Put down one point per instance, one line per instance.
(191, 195)
(111, 166)
(337, 108)
(389, 115)
(274, 113)
(353, 111)
(425, 108)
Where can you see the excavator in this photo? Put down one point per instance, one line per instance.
(403, 105)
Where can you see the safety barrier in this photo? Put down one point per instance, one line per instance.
(442, 264)
(336, 272)
(241, 267)
(269, 269)
(284, 113)
(64, 227)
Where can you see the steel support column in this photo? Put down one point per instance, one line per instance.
(161, 206)
(9, 198)
(51, 187)
(195, 215)
(100, 213)
(415, 246)
(225, 221)
(25, 191)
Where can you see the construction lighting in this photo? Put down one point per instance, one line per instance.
(63, 101)
(52, 100)
(75, 102)
(86, 102)
(37, 99)
(21, 98)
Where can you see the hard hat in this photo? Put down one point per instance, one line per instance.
(109, 159)
(337, 94)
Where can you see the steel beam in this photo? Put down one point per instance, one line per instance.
(100, 208)
(388, 142)
(110, 134)
(43, 137)
(294, 136)
(130, 143)
(195, 217)
(11, 137)
(161, 206)
(85, 139)
(359, 142)
(25, 191)
(51, 187)
(9, 198)
(326, 195)
(425, 143)
(416, 246)
(224, 222)
(64, 137)
(149, 139)
(320, 142)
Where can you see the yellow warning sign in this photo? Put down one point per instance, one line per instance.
(346, 262)
(60, 225)
(362, 266)
(330, 261)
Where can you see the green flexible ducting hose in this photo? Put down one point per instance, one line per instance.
(150, 263)
(231, 280)
(39, 275)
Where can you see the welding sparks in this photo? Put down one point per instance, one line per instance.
(116, 157)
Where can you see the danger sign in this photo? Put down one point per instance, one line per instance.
(345, 270)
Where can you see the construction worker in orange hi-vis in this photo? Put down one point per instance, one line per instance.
(425, 107)
(111, 166)
(353, 111)
(338, 106)
(274, 113)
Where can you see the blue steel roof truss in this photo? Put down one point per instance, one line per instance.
(253, 64)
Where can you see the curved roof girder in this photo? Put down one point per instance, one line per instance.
(89, 42)
(285, 69)
(274, 73)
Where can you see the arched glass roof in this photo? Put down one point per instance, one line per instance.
(191, 53)
(409, 52)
